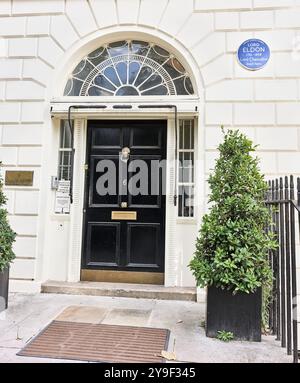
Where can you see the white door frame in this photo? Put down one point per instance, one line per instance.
(186, 109)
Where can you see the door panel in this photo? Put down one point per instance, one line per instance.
(98, 167)
(150, 196)
(103, 244)
(144, 236)
(107, 138)
(145, 138)
(122, 244)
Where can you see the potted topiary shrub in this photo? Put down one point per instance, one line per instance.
(231, 256)
(7, 237)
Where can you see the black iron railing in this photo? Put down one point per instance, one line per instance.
(284, 203)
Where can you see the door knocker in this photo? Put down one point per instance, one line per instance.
(125, 154)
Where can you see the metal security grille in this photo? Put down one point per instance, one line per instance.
(99, 343)
(285, 210)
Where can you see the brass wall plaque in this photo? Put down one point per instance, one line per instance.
(18, 178)
(123, 215)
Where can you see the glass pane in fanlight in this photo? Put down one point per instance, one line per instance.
(68, 87)
(104, 83)
(143, 75)
(134, 68)
(76, 87)
(158, 91)
(178, 66)
(79, 67)
(169, 67)
(112, 75)
(188, 85)
(118, 48)
(122, 71)
(127, 90)
(83, 70)
(98, 55)
(180, 88)
(159, 55)
(153, 80)
(139, 47)
(93, 91)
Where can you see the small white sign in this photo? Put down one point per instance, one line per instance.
(62, 203)
(63, 187)
(62, 198)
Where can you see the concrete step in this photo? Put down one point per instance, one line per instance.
(121, 290)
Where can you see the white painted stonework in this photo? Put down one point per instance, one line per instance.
(42, 41)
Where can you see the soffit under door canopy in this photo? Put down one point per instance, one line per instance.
(101, 109)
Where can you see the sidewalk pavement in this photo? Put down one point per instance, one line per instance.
(28, 314)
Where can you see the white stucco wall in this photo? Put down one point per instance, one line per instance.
(38, 37)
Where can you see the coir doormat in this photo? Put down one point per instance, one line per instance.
(98, 343)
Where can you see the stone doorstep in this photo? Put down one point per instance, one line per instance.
(120, 290)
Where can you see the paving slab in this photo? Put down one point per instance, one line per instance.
(127, 317)
(82, 314)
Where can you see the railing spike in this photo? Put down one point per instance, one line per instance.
(286, 182)
(276, 188)
(292, 193)
(273, 190)
(280, 183)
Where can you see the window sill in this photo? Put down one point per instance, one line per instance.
(186, 221)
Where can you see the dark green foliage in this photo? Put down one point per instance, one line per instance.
(7, 236)
(232, 247)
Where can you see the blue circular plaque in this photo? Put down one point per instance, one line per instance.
(253, 54)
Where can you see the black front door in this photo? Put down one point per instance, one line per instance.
(124, 214)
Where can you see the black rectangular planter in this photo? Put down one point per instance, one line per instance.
(239, 313)
(4, 275)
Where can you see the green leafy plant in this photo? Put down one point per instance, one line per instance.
(7, 235)
(232, 246)
(225, 336)
(266, 301)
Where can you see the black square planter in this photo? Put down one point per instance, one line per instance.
(239, 313)
(4, 275)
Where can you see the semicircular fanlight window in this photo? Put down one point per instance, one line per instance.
(129, 68)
